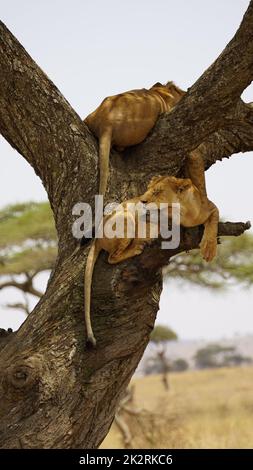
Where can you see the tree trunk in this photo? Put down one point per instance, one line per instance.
(55, 393)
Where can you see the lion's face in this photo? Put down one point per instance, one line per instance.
(168, 189)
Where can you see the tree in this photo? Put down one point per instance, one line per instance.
(216, 355)
(54, 391)
(179, 365)
(236, 360)
(158, 362)
(211, 356)
(234, 264)
(161, 334)
(27, 248)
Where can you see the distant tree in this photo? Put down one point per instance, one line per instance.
(215, 355)
(234, 264)
(28, 246)
(158, 362)
(179, 365)
(161, 334)
(208, 357)
(236, 360)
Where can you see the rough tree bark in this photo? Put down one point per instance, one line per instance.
(54, 392)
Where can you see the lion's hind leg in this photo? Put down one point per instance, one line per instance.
(196, 171)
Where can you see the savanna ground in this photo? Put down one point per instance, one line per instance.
(203, 409)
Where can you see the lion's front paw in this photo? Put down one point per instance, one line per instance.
(208, 248)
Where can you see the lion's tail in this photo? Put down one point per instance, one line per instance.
(104, 155)
(91, 260)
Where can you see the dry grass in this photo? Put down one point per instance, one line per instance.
(203, 409)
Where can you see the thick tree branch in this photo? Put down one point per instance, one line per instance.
(236, 137)
(143, 268)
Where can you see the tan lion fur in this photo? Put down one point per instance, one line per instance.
(195, 209)
(126, 119)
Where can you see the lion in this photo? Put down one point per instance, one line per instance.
(194, 210)
(126, 119)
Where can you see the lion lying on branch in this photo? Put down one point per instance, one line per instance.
(127, 118)
(194, 210)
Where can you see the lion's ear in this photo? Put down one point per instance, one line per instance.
(157, 84)
(155, 180)
(183, 185)
(174, 89)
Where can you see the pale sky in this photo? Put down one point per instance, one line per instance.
(95, 48)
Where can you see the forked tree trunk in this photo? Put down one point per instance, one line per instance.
(54, 392)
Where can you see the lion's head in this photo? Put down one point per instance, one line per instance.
(168, 189)
(170, 87)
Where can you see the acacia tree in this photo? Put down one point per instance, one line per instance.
(54, 392)
(159, 338)
(27, 248)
